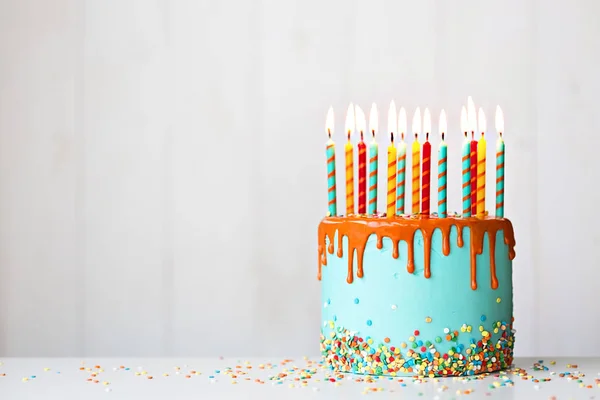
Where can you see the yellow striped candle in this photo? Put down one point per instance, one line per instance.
(481, 150)
(416, 164)
(349, 162)
(391, 173)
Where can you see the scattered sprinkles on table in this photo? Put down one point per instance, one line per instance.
(317, 375)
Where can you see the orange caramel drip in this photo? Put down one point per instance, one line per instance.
(358, 230)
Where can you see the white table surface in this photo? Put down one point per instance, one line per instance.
(64, 378)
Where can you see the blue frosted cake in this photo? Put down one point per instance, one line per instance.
(427, 296)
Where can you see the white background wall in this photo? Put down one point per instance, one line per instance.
(162, 167)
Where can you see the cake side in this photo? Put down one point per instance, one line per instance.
(406, 296)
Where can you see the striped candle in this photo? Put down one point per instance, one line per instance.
(442, 168)
(466, 165)
(481, 159)
(350, 121)
(330, 153)
(416, 163)
(401, 175)
(426, 164)
(373, 160)
(472, 115)
(391, 172)
(362, 162)
(499, 164)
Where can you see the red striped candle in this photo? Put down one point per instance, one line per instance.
(426, 163)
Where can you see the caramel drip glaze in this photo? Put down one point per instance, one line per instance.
(358, 230)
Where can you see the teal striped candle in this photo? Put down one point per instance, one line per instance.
(331, 191)
(330, 154)
(442, 169)
(499, 164)
(401, 178)
(500, 178)
(373, 161)
(466, 177)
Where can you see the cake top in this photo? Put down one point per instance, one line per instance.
(358, 229)
(473, 161)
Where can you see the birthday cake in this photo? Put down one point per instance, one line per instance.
(422, 293)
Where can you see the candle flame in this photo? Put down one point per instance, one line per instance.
(464, 120)
(350, 121)
(329, 122)
(416, 125)
(482, 121)
(373, 120)
(402, 122)
(361, 123)
(392, 118)
(443, 124)
(472, 114)
(499, 121)
(427, 121)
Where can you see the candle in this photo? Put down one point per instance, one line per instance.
(481, 150)
(350, 161)
(330, 153)
(499, 164)
(373, 157)
(426, 175)
(473, 127)
(391, 174)
(361, 126)
(442, 159)
(416, 163)
(466, 165)
(401, 163)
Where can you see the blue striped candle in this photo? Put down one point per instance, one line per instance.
(331, 178)
(442, 168)
(466, 177)
(499, 164)
(401, 178)
(373, 161)
(500, 178)
(330, 153)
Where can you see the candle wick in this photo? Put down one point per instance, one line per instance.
(329, 133)
(349, 132)
(392, 136)
(361, 136)
(442, 135)
(426, 135)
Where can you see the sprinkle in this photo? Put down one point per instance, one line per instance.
(446, 330)
(356, 301)
(428, 319)
(498, 300)
(416, 332)
(369, 322)
(394, 306)
(483, 318)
